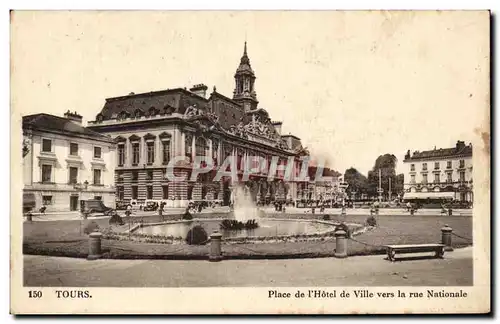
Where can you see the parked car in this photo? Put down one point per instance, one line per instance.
(29, 202)
(151, 206)
(95, 206)
(121, 205)
(134, 204)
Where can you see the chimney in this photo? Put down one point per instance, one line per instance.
(277, 127)
(74, 117)
(460, 145)
(200, 90)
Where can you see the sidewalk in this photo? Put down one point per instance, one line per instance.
(366, 211)
(454, 270)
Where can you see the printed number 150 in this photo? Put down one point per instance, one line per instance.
(34, 294)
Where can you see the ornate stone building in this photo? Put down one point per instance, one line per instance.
(152, 128)
(439, 174)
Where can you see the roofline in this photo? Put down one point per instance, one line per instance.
(290, 135)
(159, 92)
(99, 137)
(226, 98)
(427, 158)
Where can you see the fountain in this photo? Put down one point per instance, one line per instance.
(245, 223)
(243, 206)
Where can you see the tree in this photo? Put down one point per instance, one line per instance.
(399, 185)
(357, 182)
(387, 165)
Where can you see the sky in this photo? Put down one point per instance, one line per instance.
(351, 85)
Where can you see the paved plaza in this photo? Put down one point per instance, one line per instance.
(455, 270)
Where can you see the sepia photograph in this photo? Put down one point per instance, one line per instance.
(336, 160)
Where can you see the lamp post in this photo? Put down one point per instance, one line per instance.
(380, 190)
(343, 186)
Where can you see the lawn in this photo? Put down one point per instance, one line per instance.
(66, 238)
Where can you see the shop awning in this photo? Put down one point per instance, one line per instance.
(429, 195)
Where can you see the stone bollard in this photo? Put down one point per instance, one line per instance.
(94, 246)
(446, 237)
(215, 247)
(341, 244)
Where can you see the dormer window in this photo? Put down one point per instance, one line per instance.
(137, 113)
(152, 111)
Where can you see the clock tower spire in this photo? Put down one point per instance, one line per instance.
(244, 91)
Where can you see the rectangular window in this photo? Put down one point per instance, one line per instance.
(462, 163)
(412, 167)
(73, 149)
(119, 177)
(165, 192)
(436, 178)
(412, 179)
(46, 200)
(46, 173)
(448, 165)
(462, 176)
(436, 165)
(97, 177)
(97, 152)
(121, 154)
(46, 145)
(149, 175)
(449, 177)
(149, 192)
(190, 192)
(151, 152)
(166, 152)
(135, 153)
(188, 143)
(135, 176)
(424, 166)
(98, 197)
(134, 192)
(73, 175)
(424, 178)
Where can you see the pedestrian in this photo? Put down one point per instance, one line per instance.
(160, 211)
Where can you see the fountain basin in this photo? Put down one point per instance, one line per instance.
(269, 230)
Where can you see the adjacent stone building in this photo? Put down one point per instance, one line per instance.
(64, 162)
(440, 174)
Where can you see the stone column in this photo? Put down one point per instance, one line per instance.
(193, 148)
(209, 153)
(215, 247)
(94, 246)
(341, 244)
(446, 237)
(183, 144)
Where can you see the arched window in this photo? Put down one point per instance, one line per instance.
(201, 147)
